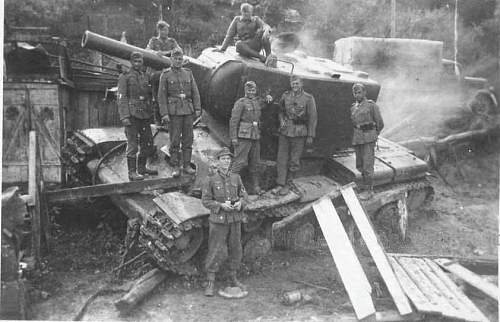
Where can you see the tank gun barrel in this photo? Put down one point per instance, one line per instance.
(122, 50)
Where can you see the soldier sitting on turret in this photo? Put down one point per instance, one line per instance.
(251, 32)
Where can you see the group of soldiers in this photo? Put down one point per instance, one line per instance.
(175, 93)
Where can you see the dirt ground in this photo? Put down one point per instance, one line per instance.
(462, 220)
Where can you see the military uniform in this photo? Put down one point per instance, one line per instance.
(178, 97)
(134, 103)
(219, 188)
(299, 116)
(249, 32)
(367, 123)
(244, 126)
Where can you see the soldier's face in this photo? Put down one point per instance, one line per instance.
(163, 32)
(137, 63)
(224, 162)
(359, 94)
(250, 92)
(177, 61)
(247, 14)
(296, 85)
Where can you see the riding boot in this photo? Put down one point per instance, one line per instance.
(143, 169)
(132, 167)
(186, 159)
(235, 282)
(209, 289)
(286, 188)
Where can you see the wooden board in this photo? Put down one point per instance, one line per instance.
(356, 284)
(378, 254)
(180, 207)
(470, 277)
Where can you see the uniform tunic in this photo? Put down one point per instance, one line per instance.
(244, 126)
(244, 30)
(223, 224)
(173, 83)
(299, 116)
(134, 103)
(367, 124)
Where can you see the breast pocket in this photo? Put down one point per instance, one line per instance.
(218, 190)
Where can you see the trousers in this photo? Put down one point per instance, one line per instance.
(181, 130)
(365, 160)
(220, 235)
(289, 152)
(139, 138)
(246, 153)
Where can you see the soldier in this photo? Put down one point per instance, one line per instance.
(163, 45)
(298, 120)
(244, 130)
(251, 32)
(367, 123)
(135, 112)
(179, 102)
(225, 196)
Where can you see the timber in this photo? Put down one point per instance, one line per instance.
(108, 189)
(140, 290)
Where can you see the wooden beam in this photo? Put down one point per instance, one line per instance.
(469, 277)
(366, 230)
(356, 284)
(34, 200)
(118, 188)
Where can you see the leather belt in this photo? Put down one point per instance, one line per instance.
(365, 127)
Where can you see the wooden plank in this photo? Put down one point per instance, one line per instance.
(456, 290)
(34, 201)
(411, 289)
(378, 254)
(32, 168)
(429, 289)
(118, 188)
(356, 284)
(469, 277)
(93, 110)
(444, 290)
(180, 207)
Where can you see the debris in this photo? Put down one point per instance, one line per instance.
(233, 293)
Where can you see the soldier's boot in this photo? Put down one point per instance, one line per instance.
(186, 159)
(174, 162)
(235, 282)
(286, 188)
(143, 169)
(132, 167)
(209, 289)
(255, 183)
(367, 187)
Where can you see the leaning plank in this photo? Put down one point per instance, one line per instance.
(445, 291)
(429, 289)
(411, 289)
(456, 291)
(117, 188)
(468, 276)
(378, 254)
(356, 284)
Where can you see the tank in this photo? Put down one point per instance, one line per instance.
(173, 225)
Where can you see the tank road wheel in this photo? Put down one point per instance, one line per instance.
(187, 245)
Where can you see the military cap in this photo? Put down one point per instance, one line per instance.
(177, 52)
(358, 85)
(162, 24)
(250, 84)
(246, 7)
(135, 55)
(224, 151)
(295, 78)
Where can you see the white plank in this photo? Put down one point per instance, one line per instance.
(478, 315)
(356, 284)
(470, 277)
(378, 254)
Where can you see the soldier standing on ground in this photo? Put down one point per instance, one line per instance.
(367, 123)
(298, 119)
(163, 45)
(244, 130)
(225, 196)
(251, 32)
(134, 108)
(179, 102)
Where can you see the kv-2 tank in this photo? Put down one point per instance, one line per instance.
(173, 224)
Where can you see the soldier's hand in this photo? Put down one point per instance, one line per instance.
(309, 140)
(226, 207)
(165, 119)
(126, 122)
(266, 33)
(234, 142)
(237, 205)
(269, 98)
(197, 113)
